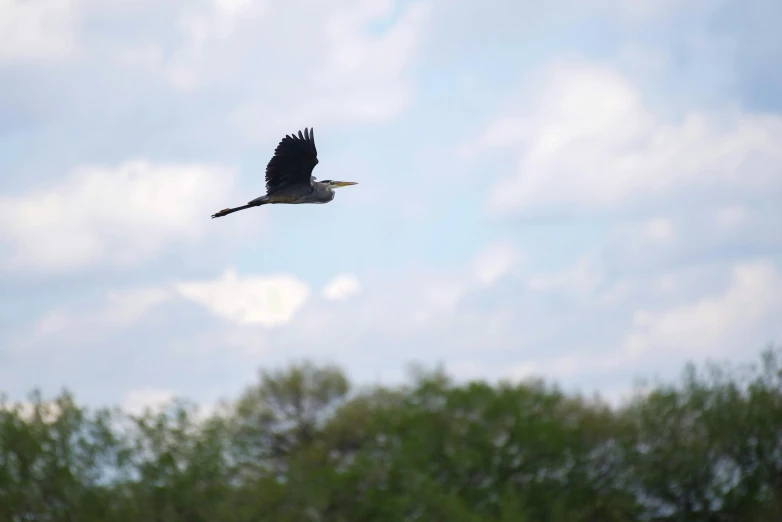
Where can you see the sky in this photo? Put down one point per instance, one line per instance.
(586, 192)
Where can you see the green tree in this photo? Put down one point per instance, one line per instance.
(298, 445)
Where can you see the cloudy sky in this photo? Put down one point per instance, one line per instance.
(588, 191)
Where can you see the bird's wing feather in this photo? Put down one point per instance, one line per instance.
(294, 159)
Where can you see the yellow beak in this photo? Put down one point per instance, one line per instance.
(344, 183)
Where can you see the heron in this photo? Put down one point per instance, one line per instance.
(289, 176)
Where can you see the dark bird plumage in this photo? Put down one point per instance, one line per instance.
(289, 176)
(293, 161)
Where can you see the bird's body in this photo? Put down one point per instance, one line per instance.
(289, 176)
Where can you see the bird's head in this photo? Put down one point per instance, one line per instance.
(336, 184)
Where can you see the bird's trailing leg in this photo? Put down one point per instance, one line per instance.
(227, 211)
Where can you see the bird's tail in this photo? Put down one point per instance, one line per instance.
(227, 211)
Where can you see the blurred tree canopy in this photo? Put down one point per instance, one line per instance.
(301, 445)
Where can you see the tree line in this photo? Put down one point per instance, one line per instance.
(302, 445)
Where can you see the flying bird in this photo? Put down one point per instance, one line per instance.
(289, 176)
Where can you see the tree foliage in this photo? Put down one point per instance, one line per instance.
(300, 445)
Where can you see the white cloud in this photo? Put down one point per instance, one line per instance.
(581, 279)
(208, 32)
(659, 229)
(731, 217)
(387, 311)
(118, 215)
(419, 300)
(558, 367)
(126, 307)
(424, 304)
(586, 138)
(692, 236)
(137, 401)
(522, 371)
(36, 30)
(496, 261)
(267, 301)
(364, 74)
(121, 309)
(335, 68)
(588, 142)
(645, 11)
(579, 326)
(49, 411)
(734, 322)
(228, 72)
(428, 297)
(236, 7)
(341, 288)
(712, 324)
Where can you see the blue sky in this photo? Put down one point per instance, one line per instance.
(587, 191)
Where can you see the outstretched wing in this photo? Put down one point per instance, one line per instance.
(293, 161)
